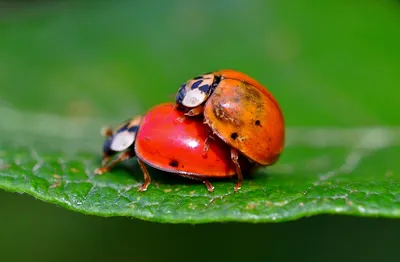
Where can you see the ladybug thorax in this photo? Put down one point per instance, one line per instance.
(196, 91)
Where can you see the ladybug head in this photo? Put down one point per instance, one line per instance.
(122, 138)
(195, 91)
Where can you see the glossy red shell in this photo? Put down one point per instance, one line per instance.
(177, 146)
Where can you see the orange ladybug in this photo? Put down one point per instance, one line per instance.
(240, 111)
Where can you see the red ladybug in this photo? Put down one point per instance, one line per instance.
(240, 111)
(158, 140)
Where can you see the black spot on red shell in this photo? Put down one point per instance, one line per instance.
(174, 163)
(234, 135)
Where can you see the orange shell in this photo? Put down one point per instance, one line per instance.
(247, 117)
(233, 74)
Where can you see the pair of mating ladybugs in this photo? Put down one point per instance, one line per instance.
(242, 118)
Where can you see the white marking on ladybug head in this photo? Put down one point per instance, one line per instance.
(121, 141)
(194, 98)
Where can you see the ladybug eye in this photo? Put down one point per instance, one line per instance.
(195, 91)
(106, 147)
(181, 94)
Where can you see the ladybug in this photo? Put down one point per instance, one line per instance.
(159, 141)
(238, 110)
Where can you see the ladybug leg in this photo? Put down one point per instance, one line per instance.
(195, 111)
(147, 178)
(107, 165)
(209, 186)
(206, 147)
(106, 159)
(235, 157)
(207, 142)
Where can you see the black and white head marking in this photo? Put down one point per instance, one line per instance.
(121, 140)
(196, 91)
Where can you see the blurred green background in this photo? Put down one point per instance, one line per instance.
(329, 63)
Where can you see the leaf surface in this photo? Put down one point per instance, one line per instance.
(337, 173)
(65, 73)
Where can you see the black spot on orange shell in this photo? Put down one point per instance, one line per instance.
(174, 163)
(258, 123)
(234, 135)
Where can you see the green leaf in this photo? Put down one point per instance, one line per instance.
(338, 175)
(79, 72)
